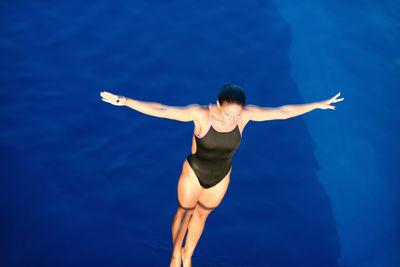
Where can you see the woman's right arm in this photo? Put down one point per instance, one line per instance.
(186, 113)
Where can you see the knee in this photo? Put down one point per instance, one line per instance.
(201, 215)
(184, 213)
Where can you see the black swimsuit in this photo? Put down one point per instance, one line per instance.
(212, 160)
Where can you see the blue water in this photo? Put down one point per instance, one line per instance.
(86, 183)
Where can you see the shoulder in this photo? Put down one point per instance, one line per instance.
(247, 113)
(196, 108)
(250, 108)
(199, 112)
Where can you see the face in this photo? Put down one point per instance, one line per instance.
(230, 112)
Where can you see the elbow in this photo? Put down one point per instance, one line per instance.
(161, 111)
(284, 113)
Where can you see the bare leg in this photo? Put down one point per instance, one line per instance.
(189, 191)
(209, 200)
(179, 227)
(195, 229)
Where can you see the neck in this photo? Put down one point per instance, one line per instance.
(223, 122)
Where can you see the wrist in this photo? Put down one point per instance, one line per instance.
(318, 105)
(122, 100)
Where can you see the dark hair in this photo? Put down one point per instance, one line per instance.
(232, 93)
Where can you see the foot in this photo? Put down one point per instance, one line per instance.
(186, 259)
(175, 261)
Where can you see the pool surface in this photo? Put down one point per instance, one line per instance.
(86, 183)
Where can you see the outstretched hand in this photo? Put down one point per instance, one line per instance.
(326, 104)
(113, 99)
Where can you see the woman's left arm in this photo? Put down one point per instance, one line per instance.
(296, 110)
(256, 113)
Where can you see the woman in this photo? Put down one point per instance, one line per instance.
(206, 171)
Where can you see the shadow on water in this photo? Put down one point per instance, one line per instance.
(95, 183)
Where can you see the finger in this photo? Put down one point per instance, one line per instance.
(338, 94)
(111, 98)
(105, 100)
(106, 94)
(338, 100)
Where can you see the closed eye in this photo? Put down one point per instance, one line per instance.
(237, 116)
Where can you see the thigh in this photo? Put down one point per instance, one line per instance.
(189, 188)
(211, 197)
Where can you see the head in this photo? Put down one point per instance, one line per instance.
(231, 100)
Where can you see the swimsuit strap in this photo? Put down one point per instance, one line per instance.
(237, 124)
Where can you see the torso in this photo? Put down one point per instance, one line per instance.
(217, 144)
(202, 126)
